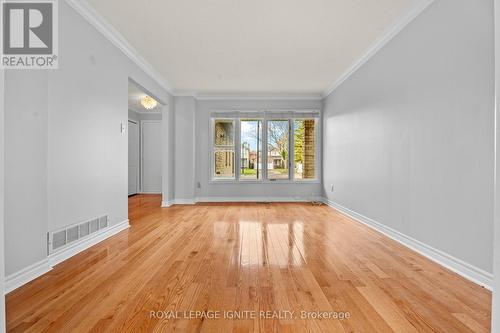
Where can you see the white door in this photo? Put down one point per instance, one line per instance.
(133, 157)
(151, 156)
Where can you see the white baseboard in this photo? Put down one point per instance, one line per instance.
(25, 275)
(66, 253)
(258, 199)
(166, 204)
(31, 272)
(456, 265)
(238, 199)
(184, 201)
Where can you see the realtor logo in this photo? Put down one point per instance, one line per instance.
(29, 34)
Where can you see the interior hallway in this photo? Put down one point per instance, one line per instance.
(247, 256)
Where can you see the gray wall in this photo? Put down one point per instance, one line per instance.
(143, 116)
(89, 110)
(202, 151)
(66, 157)
(495, 315)
(408, 138)
(2, 201)
(185, 112)
(26, 221)
(133, 115)
(168, 158)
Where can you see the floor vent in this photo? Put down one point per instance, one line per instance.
(59, 239)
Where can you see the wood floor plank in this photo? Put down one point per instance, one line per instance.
(250, 263)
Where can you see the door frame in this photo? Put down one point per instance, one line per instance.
(138, 175)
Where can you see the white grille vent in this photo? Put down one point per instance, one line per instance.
(61, 238)
(84, 229)
(103, 222)
(72, 234)
(94, 225)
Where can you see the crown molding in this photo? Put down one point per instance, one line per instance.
(145, 112)
(98, 22)
(258, 97)
(185, 93)
(388, 34)
(95, 19)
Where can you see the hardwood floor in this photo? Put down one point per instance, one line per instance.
(230, 258)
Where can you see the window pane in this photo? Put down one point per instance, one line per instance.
(304, 149)
(224, 167)
(224, 163)
(277, 149)
(224, 132)
(251, 149)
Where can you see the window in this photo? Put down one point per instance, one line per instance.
(224, 149)
(277, 149)
(304, 149)
(251, 149)
(265, 146)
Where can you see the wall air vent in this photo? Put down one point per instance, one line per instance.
(84, 229)
(72, 234)
(67, 236)
(94, 225)
(59, 239)
(103, 222)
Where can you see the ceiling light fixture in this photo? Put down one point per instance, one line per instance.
(148, 102)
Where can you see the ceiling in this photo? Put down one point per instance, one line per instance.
(135, 94)
(252, 47)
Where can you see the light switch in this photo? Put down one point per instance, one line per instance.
(122, 128)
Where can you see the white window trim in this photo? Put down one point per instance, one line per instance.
(264, 116)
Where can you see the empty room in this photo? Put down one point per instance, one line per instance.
(250, 166)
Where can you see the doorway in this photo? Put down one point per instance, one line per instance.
(144, 142)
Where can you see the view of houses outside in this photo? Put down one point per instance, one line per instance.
(277, 149)
(251, 149)
(304, 161)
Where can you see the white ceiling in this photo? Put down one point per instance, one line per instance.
(253, 46)
(135, 94)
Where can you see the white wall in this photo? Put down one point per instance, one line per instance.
(144, 116)
(25, 168)
(185, 112)
(168, 157)
(495, 314)
(211, 190)
(2, 201)
(67, 160)
(409, 137)
(88, 97)
(132, 115)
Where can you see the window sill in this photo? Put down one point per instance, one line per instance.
(262, 182)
